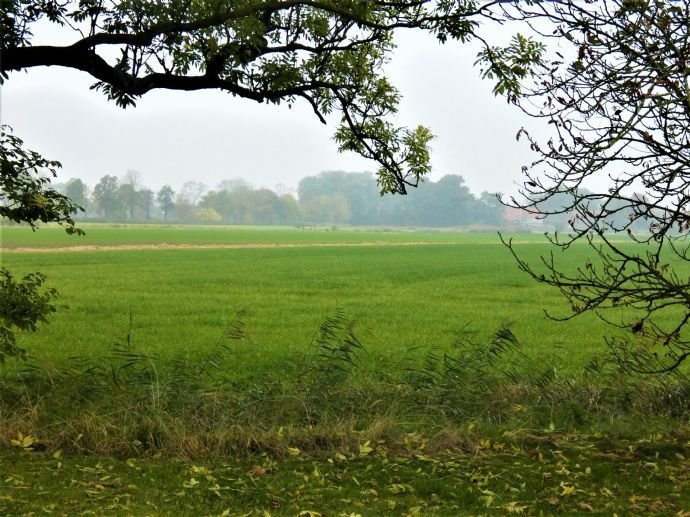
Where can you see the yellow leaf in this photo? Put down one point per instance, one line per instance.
(309, 513)
(567, 489)
(294, 451)
(24, 442)
(191, 483)
(365, 449)
(487, 499)
(606, 491)
(484, 444)
(515, 507)
(57, 454)
(399, 488)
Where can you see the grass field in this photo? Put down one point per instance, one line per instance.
(404, 298)
(281, 424)
(143, 235)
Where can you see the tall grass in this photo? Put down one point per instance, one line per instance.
(130, 402)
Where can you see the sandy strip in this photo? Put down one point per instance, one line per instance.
(166, 246)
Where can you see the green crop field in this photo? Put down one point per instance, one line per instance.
(408, 291)
(181, 235)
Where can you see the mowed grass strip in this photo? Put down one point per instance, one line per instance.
(406, 300)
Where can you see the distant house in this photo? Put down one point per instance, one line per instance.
(518, 217)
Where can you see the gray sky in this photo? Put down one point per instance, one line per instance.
(172, 137)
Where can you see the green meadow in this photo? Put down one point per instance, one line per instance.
(408, 291)
(140, 234)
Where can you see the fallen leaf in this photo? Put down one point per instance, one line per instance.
(257, 470)
(567, 489)
(190, 484)
(365, 449)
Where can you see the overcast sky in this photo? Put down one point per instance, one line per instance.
(172, 137)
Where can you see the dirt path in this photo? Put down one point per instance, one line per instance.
(167, 246)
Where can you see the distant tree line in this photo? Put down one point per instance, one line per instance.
(332, 197)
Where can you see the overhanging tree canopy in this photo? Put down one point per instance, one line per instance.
(328, 53)
(616, 92)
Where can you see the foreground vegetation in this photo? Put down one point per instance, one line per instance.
(346, 373)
